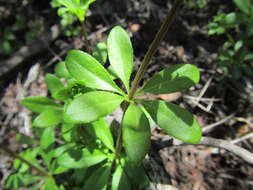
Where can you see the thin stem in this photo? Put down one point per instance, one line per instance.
(17, 156)
(153, 47)
(85, 37)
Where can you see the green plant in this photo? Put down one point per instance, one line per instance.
(196, 4)
(236, 52)
(71, 11)
(93, 155)
(8, 37)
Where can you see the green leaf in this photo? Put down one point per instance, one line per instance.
(58, 169)
(60, 150)
(103, 132)
(87, 70)
(48, 118)
(238, 45)
(29, 179)
(112, 72)
(136, 134)
(14, 181)
(66, 130)
(47, 137)
(30, 155)
(25, 139)
(175, 120)
(137, 175)
(84, 5)
(53, 83)
(248, 57)
(61, 70)
(50, 184)
(70, 4)
(175, 78)
(120, 180)
(91, 106)
(63, 95)
(243, 5)
(76, 158)
(39, 104)
(99, 179)
(100, 52)
(231, 18)
(120, 52)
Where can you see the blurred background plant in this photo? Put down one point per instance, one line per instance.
(67, 19)
(199, 4)
(235, 56)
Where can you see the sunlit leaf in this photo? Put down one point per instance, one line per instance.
(53, 83)
(50, 184)
(47, 138)
(136, 134)
(120, 52)
(61, 70)
(175, 120)
(175, 78)
(100, 52)
(103, 132)
(39, 104)
(48, 118)
(76, 158)
(120, 180)
(87, 70)
(91, 106)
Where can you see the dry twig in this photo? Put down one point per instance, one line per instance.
(218, 143)
(210, 127)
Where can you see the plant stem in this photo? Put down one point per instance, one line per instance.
(17, 156)
(85, 37)
(153, 47)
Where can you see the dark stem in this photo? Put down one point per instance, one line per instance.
(153, 47)
(17, 156)
(85, 37)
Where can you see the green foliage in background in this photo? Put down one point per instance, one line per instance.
(70, 11)
(75, 144)
(196, 4)
(235, 56)
(10, 41)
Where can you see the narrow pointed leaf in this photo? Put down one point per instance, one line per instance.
(39, 104)
(103, 132)
(99, 179)
(48, 118)
(175, 78)
(175, 120)
(53, 83)
(91, 106)
(87, 70)
(136, 134)
(80, 158)
(120, 52)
